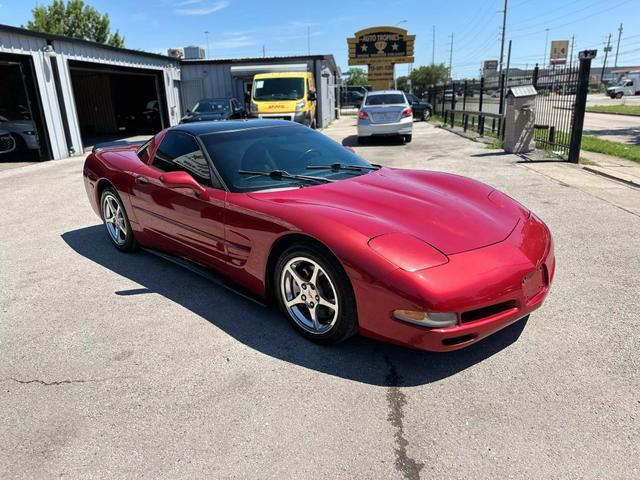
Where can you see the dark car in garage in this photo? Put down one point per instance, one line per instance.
(211, 109)
(421, 109)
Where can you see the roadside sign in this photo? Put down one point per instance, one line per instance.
(559, 50)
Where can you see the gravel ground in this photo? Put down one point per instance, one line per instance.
(115, 365)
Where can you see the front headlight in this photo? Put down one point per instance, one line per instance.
(299, 106)
(427, 319)
(407, 252)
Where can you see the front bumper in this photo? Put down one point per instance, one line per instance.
(368, 129)
(298, 117)
(489, 288)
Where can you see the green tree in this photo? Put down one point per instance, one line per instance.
(74, 19)
(428, 75)
(356, 76)
(403, 83)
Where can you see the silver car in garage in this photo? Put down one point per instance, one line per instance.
(385, 113)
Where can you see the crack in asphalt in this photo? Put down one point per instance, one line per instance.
(409, 467)
(58, 382)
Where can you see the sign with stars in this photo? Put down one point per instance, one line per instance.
(381, 48)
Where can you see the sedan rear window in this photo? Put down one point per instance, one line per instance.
(386, 99)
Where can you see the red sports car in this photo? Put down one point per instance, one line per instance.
(423, 259)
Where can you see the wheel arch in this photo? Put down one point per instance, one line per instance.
(283, 243)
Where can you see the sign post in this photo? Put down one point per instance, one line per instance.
(380, 48)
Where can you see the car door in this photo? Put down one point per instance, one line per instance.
(180, 220)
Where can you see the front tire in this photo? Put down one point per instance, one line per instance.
(116, 221)
(315, 294)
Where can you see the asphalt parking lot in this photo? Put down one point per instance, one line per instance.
(123, 365)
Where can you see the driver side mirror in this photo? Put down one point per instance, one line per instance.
(311, 96)
(181, 179)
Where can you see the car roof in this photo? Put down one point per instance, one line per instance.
(203, 128)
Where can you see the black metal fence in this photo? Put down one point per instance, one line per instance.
(478, 105)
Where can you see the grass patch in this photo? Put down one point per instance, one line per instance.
(607, 147)
(622, 109)
(586, 161)
(496, 144)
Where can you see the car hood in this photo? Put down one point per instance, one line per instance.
(452, 213)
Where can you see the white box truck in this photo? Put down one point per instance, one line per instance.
(629, 85)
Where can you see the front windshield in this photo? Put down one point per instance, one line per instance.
(278, 89)
(386, 99)
(211, 105)
(289, 148)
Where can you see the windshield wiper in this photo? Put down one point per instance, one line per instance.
(344, 166)
(282, 174)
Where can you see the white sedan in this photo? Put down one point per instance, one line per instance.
(385, 113)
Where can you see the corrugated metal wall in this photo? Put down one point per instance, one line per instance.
(22, 43)
(201, 80)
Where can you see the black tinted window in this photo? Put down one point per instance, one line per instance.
(386, 99)
(181, 152)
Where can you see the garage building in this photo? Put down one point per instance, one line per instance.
(59, 96)
(233, 78)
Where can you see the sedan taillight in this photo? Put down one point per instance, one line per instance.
(363, 115)
(407, 112)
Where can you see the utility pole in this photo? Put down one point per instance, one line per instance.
(504, 31)
(264, 52)
(573, 39)
(433, 47)
(607, 49)
(206, 34)
(308, 40)
(451, 58)
(615, 63)
(546, 41)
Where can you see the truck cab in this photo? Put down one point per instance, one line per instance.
(284, 96)
(629, 85)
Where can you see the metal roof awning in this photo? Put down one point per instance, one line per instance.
(250, 70)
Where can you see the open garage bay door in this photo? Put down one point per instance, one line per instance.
(21, 115)
(117, 103)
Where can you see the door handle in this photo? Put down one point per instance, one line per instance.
(142, 180)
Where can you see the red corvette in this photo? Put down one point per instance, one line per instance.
(423, 259)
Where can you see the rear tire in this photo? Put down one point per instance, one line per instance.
(407, 138)
(116, 221)
(619, 95)
(363, 140)
(315, 294)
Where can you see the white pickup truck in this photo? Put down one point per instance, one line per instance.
(629, 85)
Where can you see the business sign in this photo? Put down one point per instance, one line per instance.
(380, 48)
(559, 51)
(490, 66)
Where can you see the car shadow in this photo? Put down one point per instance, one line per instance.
(352, 141)
(266, 330)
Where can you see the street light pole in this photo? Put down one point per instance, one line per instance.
(206, 34)
(546, 41)
(451, 58)
(433, 47)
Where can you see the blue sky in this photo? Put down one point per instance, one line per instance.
(241, 28)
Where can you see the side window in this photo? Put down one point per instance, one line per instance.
(629, 83)
(143, 152)
(180, 152)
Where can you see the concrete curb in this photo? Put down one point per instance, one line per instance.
(616, 113)
(601, 172)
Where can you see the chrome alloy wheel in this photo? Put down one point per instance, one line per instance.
(114, 219)
(309, 295)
